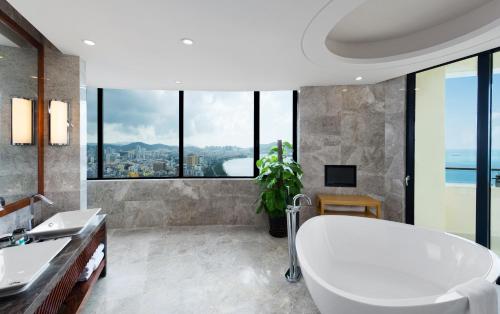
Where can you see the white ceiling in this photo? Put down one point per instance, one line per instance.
(395, 18)
(246, 45)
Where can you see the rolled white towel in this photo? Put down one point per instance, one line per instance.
(97, 259)
(100, 248)
(93, 263)
(481, 294)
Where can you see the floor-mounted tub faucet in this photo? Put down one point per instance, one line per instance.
(32, 207)
(293, 273)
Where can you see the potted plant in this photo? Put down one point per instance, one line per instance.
(279, 181)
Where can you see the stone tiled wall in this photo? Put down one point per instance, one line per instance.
(355, 125)
(147, 203)
(62, 163)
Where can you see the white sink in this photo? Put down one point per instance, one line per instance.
(21, 265)
(64, 223)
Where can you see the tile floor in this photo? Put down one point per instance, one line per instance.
(205, 269)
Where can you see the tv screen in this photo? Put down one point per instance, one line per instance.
(340, 176)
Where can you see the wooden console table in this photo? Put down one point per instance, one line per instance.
(349, 200)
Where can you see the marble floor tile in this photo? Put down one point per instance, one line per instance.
(202, 269)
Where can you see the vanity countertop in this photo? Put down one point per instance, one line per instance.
(31, 299)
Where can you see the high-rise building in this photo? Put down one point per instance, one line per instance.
(192, 160)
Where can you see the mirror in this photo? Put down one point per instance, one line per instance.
(18, 115)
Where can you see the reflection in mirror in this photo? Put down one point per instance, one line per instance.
(18, 90)
(22, 121)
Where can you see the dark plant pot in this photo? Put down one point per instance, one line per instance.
(278, 227)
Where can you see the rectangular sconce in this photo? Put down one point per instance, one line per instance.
(22, 123)
(59, 123)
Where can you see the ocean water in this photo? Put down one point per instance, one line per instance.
(466, 158)
(239, 167)
(454, 159)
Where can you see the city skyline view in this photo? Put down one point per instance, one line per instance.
(218, 132)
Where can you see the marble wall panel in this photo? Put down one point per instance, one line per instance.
(365, 127)
(148, 203)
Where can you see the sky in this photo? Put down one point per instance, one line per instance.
(210, 118)
(461, 113)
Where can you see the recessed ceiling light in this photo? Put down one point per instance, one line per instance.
(178, 82)
(187, 41)
(88, 42)
(1, 57)
(359, 78)
(344, 90)
(34, 77)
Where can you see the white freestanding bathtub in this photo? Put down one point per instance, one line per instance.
(357, 265)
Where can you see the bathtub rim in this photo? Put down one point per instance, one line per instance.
(449, 296)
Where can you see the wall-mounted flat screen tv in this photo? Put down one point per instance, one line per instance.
(340, 175)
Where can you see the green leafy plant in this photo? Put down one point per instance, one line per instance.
(279, 180)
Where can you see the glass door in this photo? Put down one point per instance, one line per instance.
(495, 157)
(445, 151)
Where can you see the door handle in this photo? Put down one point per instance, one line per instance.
(407, 180)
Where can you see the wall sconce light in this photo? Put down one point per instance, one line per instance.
(59, 123)
(22, 123)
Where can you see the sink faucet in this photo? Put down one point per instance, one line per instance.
(32, 207)
(293, 274)
(2, 203)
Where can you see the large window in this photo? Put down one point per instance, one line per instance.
(445, 147)
(140, 133)
(453, 152)
(175, 134)
(218, 134)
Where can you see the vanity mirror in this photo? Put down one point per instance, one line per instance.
(21, 115)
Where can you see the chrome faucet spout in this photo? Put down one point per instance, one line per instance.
(32, 207)
(43, 198)
(298, 197)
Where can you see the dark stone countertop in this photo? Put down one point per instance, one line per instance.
(29, 300)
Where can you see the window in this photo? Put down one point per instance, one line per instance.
(140, 133)
(91, 132)
(218, 134)
(276, 119)
(445, 147)
(452, 148)
(146, 134)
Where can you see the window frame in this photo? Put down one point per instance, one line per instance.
(483, 159)
(180, 175)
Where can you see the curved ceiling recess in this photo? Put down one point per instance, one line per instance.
(399, 33)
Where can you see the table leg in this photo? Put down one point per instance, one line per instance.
(379, 211)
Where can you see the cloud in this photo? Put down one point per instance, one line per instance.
(218, 118)
(135, 115)
(210, 118)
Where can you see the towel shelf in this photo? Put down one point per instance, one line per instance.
(81, 291)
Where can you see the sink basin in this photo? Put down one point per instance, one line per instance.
(64, 223)
(21, 265)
